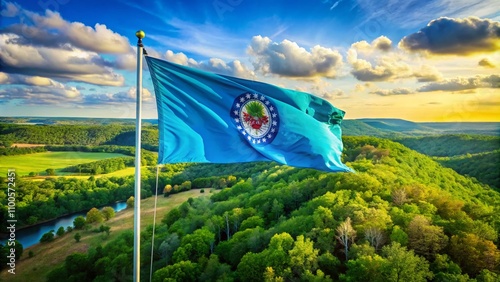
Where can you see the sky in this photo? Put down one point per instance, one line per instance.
(419, 60)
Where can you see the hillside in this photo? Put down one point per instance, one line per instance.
(400, 215)
(379, 127)
(473, 155)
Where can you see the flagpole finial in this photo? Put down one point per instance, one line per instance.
(140, 35)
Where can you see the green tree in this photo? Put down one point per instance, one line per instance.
(181, 271)
(108, 213)
(446, 270)
(50, 171)
(79, 222)
(399, 236)
(60, 231)
(130, 202)
(303, 257)
(403, 265)
(94, 215)
(47, 237)
(365, 268)
(216, 271)
(77, 237)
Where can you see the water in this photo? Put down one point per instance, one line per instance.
(31, 235)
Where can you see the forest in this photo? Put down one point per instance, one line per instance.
(400, 217)
(418, 208)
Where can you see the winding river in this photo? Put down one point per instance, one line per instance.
(31, 235)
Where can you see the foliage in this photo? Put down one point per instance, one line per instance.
(47, 237)
(6, 252)
(101, 166)
(79, 222)
(93, 216)
(280, 223)
(451, 145)
(485, 167)
(60, 231)
(44, 200)
(108, 213)
(130, 202)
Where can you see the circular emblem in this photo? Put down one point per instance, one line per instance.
(256, 118)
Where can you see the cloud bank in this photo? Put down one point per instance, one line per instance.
(288, 59)
(446, 36)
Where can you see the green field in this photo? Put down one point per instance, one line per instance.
(39, 162)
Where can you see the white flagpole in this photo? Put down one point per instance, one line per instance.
(137, 195)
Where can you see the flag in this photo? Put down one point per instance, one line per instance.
(207, 117)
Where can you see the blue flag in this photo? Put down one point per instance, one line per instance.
(206, 117)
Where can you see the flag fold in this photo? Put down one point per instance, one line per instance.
(207, 117)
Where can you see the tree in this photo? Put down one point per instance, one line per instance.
(399, 236)
(60, 231)
(181, 271)
(365, 268)
(108, 213)
(79, 222)
(167, 190)
(303, 257)
(473, 253)
(94, 215)
(399, 196)
(375, 237)
(77, 237)
(168, 247)
(105, 228)
(47, 237)
(346, 235)
(130, 202)
(50, 171)
(426, 239)
(403, 265)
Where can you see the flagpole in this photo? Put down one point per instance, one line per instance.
(137, 199)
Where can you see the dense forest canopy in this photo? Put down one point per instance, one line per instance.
(403, 216)
(400, 217)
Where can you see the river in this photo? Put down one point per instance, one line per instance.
(31, 235)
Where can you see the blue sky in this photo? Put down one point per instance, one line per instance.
(416, 60)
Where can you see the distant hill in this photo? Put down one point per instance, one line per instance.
(398, 125)
(404, 127)
(380, 127)
(484, 128)
(353, 127)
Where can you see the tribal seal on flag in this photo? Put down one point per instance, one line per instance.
(256, 118)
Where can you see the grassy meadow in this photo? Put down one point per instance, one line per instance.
(39, 162)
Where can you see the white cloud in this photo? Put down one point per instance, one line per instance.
(56, 93)
(379, 61)
(289, 59)
(386, 67)
(127, 96)
(51, 30)
(215, 65)
(426, 73)
(78, 65)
